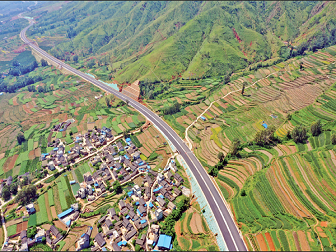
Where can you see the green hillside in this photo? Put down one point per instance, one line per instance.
(159, 40)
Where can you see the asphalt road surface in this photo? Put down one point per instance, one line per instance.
(223, 218)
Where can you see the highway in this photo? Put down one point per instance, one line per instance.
(226, 224)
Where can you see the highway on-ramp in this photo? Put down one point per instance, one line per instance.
(226, 224)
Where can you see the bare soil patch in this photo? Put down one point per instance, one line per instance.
(24, 225)
(27, 110)
(270, 241)
(303, 241)
(37, 152)
(324, 223)
(19, 227)
(31, 154)
(296, 240)
(193, 224)
(46, 226)
(53, 212)
(198, 220)
(15, 103)
(60, 224)
(261, 242)
(10, 162)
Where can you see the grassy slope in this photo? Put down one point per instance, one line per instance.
(199, 35)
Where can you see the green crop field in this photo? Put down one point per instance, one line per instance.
(11, 230)
(42, 215)
(32, 220)
(51, 197)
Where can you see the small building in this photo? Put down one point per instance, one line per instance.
(161, 201)
(30, 208)
(130, 234)
(158, 214)
(171, 205)
(111, 212)
(120, 146)
(164, 242)
(83, 242)
(65, 213)
(108, 223)
(115, 247)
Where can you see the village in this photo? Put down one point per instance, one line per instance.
(117, 161)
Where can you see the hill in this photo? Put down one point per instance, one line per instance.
(160, 40)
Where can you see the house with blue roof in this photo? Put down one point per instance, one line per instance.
(30, 208)
(164, 242)
(65, 213)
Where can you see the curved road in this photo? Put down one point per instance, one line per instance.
(226, 224)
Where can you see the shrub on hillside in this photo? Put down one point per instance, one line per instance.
(299, 134)
(316, 128)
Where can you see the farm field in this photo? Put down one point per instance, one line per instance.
(68, 98)
(283, 197)
(193, 233)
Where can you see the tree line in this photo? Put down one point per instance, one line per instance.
(17, 70)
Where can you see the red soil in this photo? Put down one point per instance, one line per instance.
(261, 242)
(31, 154)
(236, 35)
(15, 103)
(324, 223)
(270, 241)
(9, 164)
(20, 49)
(27, 110)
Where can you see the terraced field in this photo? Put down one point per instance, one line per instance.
(283, 197)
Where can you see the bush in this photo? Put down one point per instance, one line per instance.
(333, 138)
(265, 137)
(316, 128)
(299, 134)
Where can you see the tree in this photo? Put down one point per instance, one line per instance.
(299, 134)
(220, 156)
(243, 88)
(15, 63)
(117, 187)
(91, 63)
(125, 134)
(31, 232)
(20, 138)
(107, 100)
(316, 128)
(27, 194)
(14, 188)
(40, 89)
(333, 138)
(235, 147)
(6, 193)
(127, 101)
(75, 58)
(301, 66)
(44, 63)
(265, 137)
